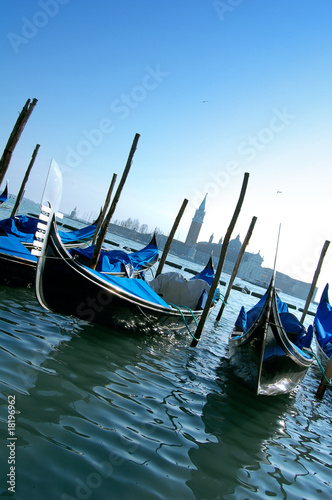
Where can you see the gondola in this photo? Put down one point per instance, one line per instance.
(18, 265)
(322, 328)
(266, 346)
(66, 286)
(4, 195)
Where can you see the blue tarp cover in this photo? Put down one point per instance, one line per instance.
(294, 329)
(296, 332)
(8, 226)
(110, 261)
(12, 246)
(24, 228)
(246, 319)
(116, 261)
(323, 319)
(86, 233)
(146, 255)
(135, 287)
(206, 275)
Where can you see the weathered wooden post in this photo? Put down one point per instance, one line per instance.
(14, 136)
(171, 237)
(314, 282)
(25, 180)
(236, 267)
(221, 262)
(103, 230)
(105, 207)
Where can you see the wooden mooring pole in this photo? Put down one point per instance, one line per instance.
(14, 136)
(236, 267)
(105, 207)
(220, 262)
(314, 282)
(171, 237)
(25, 180)
(104, 227)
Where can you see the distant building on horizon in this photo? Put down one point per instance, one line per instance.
(251, 267)
(196, 224)
(73, 214)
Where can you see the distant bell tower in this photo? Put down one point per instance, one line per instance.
(73, 213)
(196, 224)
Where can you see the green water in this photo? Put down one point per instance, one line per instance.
(103, 415)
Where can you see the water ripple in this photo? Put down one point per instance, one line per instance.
(103, 415)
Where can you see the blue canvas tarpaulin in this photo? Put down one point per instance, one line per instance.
(24, 228)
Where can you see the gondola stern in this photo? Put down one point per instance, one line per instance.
(42, 253)
(209, 264)
(153, 240)
(49, 209)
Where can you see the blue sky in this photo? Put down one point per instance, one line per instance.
(214, 88)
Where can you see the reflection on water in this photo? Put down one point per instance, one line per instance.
(260, 446)
(239, 425)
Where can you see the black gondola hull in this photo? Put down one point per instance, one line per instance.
(66, 287)
(16, 271)
(264, 357)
